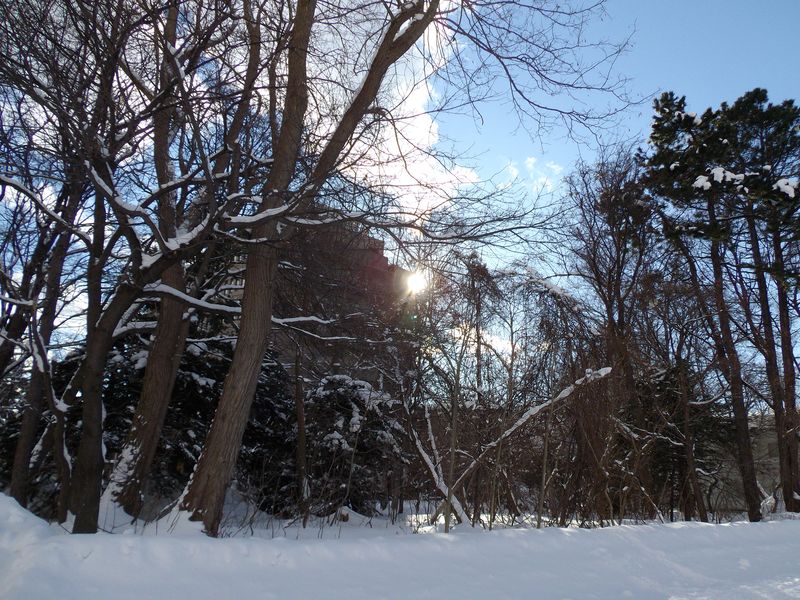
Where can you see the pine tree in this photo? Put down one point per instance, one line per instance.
(728, 180)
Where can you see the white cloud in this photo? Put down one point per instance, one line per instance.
(541, 178)
(543, 184)
(513, 171)
(401, 157)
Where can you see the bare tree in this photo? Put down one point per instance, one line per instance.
(171, 130)
(387, 36)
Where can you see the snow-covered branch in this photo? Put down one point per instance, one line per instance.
(527, 416)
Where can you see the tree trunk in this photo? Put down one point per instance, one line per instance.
(768, 348)
(302, 477)
(86, 482)
(788, 437)
(476, 483)
(16, 327)
(31, 420)
(732, 365)
(543, 480)
(87, 478)
(452, 458)
(163, 362)
(727, 355)
(688, 441)
(32, 280)
(38, 387)
(137, 453)
(206, 493)
(87, 384)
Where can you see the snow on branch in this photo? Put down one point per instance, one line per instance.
(438, 479)
(17, 301)
(236, 310)
(258, 218)
(328, 338)
(527, 416)
(134, 326)
(185, 237)
(785, 186)
(40, 203)
(192, 301)
(721, 175)
(308, 319)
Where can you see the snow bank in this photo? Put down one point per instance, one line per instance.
(694, 560)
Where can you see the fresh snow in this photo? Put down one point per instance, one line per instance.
(785, 186)
(681, 560)
(702, 182)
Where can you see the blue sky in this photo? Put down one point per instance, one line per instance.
(708, 50)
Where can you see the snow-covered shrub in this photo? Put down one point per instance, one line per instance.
(266, 455)
(353, 445)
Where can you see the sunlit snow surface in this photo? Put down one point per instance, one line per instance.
(736, 561)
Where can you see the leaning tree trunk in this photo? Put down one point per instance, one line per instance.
(33, 280)
(171, 332)
(31, 420)
(206, 493)
(38, 387)
(726, 354)
(14, 331)
(87, 383)
(728, 357)
(139, 449)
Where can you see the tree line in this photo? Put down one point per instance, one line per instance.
(184, 183)
(145, 141)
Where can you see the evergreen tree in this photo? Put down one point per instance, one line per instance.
(729, 180)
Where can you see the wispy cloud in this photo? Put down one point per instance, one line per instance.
(539, 177)
(512, 169)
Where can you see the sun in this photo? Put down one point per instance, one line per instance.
(417, 282)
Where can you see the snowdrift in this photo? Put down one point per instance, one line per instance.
(685, 560)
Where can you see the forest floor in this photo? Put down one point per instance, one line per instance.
(355, 561)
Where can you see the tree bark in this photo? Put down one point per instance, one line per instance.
(16, 327)
(732, 365)
(87, 384)
(788, 437)
(163, 362)
(727, 355)
(452, 458)
(688, 441)
(543, 479)
(765, 340)
(205, 494)
(137, 453)
(302, 476)
(36, 394)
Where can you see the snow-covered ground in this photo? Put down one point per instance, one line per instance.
(735, 561)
